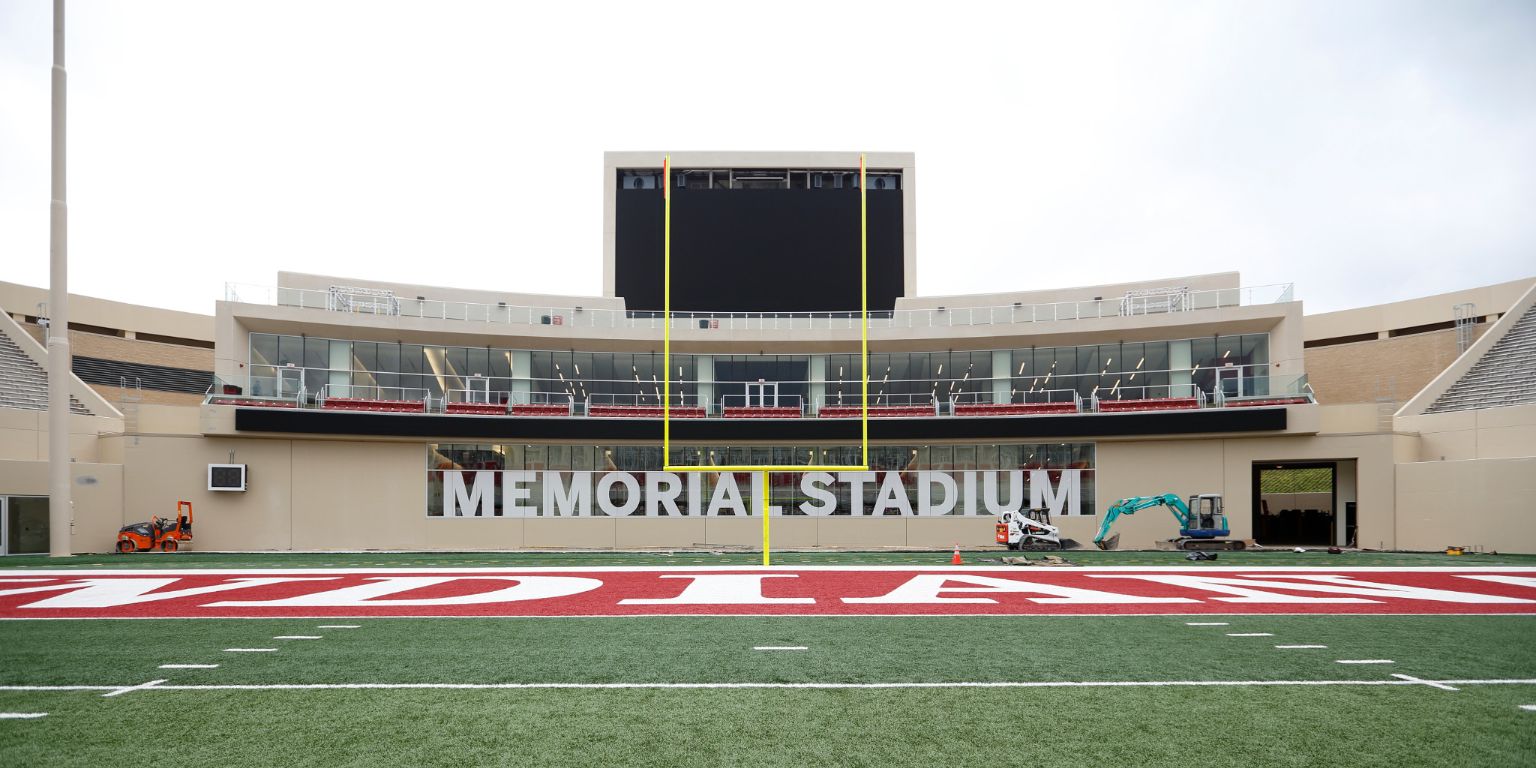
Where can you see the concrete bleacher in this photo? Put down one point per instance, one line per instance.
(24, 383)
(1501, 377)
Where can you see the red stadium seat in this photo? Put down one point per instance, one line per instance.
(476, 409)
(383, 406)
(541, 410)
(1014, 409)
(643, 412)
(876, 411)
(252, 403)
(1152, 404)
(1267, 402)
(762, 412)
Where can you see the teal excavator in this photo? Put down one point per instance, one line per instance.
(1202, 526)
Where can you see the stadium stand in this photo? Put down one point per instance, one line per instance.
(24, 383)
(1501, 377)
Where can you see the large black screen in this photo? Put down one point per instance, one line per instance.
(758, 250)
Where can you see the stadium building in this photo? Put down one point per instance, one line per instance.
(331, 412)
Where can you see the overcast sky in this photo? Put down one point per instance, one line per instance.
(1366, 151)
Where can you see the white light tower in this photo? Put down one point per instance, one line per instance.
(60, 507)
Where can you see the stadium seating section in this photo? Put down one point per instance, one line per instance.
(876, 411)
(363, 404)
(1155, 404)
(643, 412)
(541, 410)
(476, 409)
(764, 412)
(1014, 409)
(253, 402)
(1266, 401)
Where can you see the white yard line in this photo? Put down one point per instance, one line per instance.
(1364, 661)
(1528, 707)
(339, 626)
(1430, 683)
(139, 687)
(22, 715)
(780, 648)
(297, 637)
(189, 666)
(249, 650)
(1250, 634)
(156, 686)
(1205, 623)
(1297, 647)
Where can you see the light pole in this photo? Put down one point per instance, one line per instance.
(60, 507)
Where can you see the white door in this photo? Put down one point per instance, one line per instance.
(290, 381)
(762, 394)
(479, 389)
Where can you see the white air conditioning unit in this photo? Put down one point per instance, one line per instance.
(226, 477)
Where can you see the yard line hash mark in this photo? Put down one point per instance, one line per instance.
(1205, 623)
(127, 689)
(1365, 661)
(249, 650)
(1250, 634)
(189, 666)
(339, 626)
(1290, 647)
(780, 648)
(22, 715)
(297, 637)
(1430, 683)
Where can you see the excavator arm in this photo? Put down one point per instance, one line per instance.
(1130, 507)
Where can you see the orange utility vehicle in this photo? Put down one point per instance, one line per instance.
(159, 533)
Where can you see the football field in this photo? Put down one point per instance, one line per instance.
(1269, 659)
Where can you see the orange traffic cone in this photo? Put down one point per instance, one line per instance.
(957, 560)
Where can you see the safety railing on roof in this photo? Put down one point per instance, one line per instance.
(383, 302)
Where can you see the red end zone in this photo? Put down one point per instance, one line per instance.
(831, 591)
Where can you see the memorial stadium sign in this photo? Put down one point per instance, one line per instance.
(526, 493)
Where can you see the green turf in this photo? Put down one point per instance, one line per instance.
(193, 559)
(1314, 726)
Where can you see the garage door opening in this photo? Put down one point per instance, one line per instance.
(1296, 504)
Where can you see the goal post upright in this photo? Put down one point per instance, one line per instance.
(666, 353)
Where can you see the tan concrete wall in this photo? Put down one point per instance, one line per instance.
(23, 300)
(24, 435)
(1394, 368)
(1225, 466)
(356, 494)
(1484, 503)
(97, 493)
(1489, 433)
(1425, 310)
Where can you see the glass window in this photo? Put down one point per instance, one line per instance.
(290, 349)
(263, 349)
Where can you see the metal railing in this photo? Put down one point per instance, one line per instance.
(374, 392)
(379, 302)
(1232, 383)
(1152, 392)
